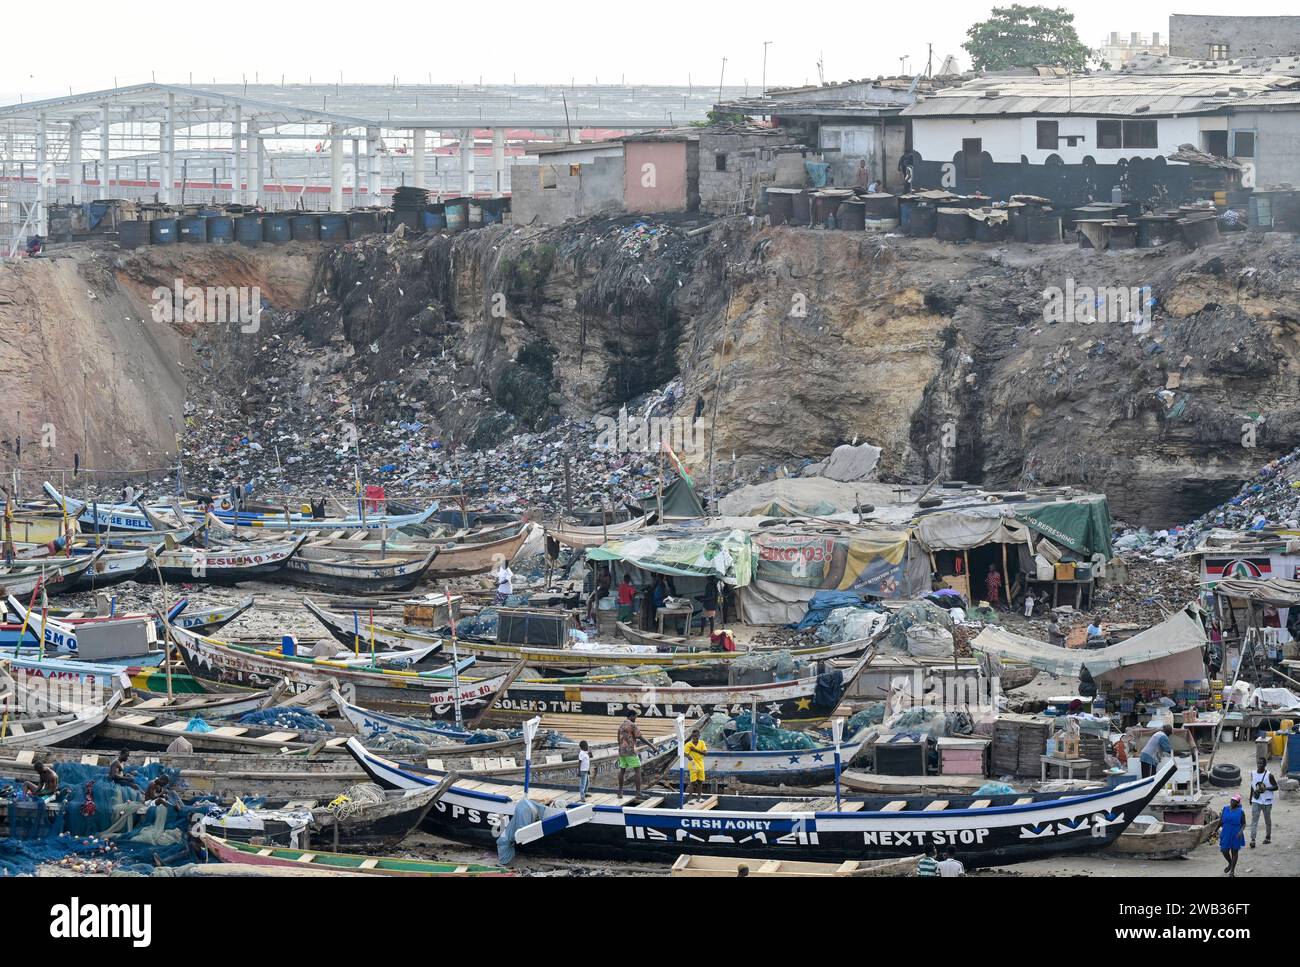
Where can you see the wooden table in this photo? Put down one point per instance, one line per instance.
(1066, 765)
(1079, 590)
(675, 613)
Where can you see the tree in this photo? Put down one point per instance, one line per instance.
(1019, 36)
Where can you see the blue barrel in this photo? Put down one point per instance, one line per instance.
(276, 229)
(210, 212)
(492, 217)
(192, 228)
(333, 227)
(431, 221)
(457, 215)
(410, 219)
(248, 229)
(162, 231)
(132, 234)
(362, 223)
(221, 229)
(304, 228)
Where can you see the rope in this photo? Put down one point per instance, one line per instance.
(355, 799)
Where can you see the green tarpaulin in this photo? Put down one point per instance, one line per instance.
(728, 554)
(679, 501)
(1082, 525)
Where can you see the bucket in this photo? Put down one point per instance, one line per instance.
(289, 646)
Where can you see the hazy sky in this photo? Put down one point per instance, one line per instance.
(89, 46)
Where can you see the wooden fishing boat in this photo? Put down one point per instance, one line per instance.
(463, 560)
(319, 566)
(147, 729)
(987, 831)
(362, 817)
(688, 865)
(218, 705)
(131, 517)
(230, 852)
(225, 665)
(790, 767)
(109, 568)
(62, 728)
(650, 639)
(207, 619)
(584, 538)
(692, 667)
(229, 564)
(55, 575)
(59, 637)
(1147, 837)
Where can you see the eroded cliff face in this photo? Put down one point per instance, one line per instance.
(950, 358)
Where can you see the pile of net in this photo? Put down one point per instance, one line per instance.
(721, 732)
(286, 717)
(83, 828)
(481, 625)
(631, 676)
(824, 602)
(849, 624)
(922, 630)
(873, 714)
(759, 665)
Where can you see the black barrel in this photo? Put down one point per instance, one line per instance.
(824, 208)
(780, 205)
(162, 231)
(1156, 230)
(248, 229)
(221, 229)
(921, 220)
(192, 228)
(880, 206)
(852, 216)
(411, 220)
(1198, 230)
(1121, 234)
(333, 227)
(801, 209)
(132, 234)
(1043, 227)
(954, 225)
(276, 229)
(304, 228)
(362, 223)
(991, 229)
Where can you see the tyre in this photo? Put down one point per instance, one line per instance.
(1225, 776)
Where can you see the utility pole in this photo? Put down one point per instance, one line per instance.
(929, 57)
(766, 44)
(720, 78)
(903, 64)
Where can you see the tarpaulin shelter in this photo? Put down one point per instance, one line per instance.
(685, 552)
(1170, 651)
(793, 563)
(680, 501)
(585, 537)
(1081, 524)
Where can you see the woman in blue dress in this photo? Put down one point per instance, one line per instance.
(1232, 833)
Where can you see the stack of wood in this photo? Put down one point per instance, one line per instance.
(1094, 748)
(1018, 741)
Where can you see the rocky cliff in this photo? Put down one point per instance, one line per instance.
(1162, 377)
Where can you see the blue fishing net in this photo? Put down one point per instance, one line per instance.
(873, 714)
(287, 717)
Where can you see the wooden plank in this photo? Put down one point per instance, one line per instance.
(25, 757)
(898, 805)
(937, 806)
(90, 759)
(280, 736)
(980, 803)
(434, 764)
(369, 864)
(706, 803)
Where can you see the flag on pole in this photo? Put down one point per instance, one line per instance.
(680, 725)
(530, 733)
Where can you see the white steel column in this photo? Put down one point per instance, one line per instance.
(237, 157)
(467, 163)
(357, 200)
(498, 162)
(336, 167)
(43, 177)
(254, 150)
(169, 150)
(374, 187)
(417, 160)
(103, 152)
(76, 183)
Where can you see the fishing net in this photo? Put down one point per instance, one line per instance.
(481, 625)
(873, 714)
(355, 799)
(926, 719)
(736, 734)
(849, 624)
(780, 664)
(287, 717)
(632, 676)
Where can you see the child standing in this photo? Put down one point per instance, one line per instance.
(584, 770)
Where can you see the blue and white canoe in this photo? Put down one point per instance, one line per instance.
(984, 830)
(790, 767)
(54, 574)
(33, 671)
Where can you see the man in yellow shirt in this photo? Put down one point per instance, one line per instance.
(695, 749)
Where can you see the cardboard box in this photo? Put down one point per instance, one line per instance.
(1065, 572)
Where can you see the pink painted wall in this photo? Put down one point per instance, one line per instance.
(671, 191)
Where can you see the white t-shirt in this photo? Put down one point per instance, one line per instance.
(951, 868)
(505, 580)
(584, 760)
(1266, 797)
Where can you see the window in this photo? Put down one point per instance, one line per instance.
(548, 176)
(1243, 144)
(1047, 135)
(720, 161)
(972, 151)
(1108, 134)
(1218, 51)
(1140, 134)
(1215, 142)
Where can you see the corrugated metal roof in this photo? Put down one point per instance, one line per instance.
(1099, 94)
